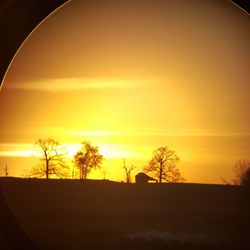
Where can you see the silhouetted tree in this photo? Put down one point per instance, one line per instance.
(104, 172)
(6, 171)
(163, 165)
(87, 159)
(52, 160)
(128, 171)
(241, 171)
(225, 181)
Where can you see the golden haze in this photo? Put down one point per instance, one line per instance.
(131, 77)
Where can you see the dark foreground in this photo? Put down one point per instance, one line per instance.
(71, 214)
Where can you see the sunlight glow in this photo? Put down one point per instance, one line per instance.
(131, 85)
(119, 151)
(17, 150)
(107, 150)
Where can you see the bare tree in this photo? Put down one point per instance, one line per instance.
(104, 172)
(52, 160)
(225, 181)
(128, 171)
(163, 165)
(87, 159)
(6, 171)
(241, 171)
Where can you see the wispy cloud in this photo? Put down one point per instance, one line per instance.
(71, 134)
(16, 149)
(75, 84)
(94, 133)
(108, 150)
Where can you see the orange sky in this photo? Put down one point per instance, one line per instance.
(131, 76)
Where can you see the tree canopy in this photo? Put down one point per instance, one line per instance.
(52, 160)
(163, 165)
(241, 171)
(87, 159)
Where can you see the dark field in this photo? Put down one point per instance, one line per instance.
(72, 214)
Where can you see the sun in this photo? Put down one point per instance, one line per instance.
(109, 151)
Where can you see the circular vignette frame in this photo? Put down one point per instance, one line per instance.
(18, 19)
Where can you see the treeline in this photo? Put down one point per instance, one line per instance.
(162, 166)
(52, 163)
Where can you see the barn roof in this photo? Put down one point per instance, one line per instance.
(145, 175)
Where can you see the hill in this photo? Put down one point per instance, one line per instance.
(74, 214)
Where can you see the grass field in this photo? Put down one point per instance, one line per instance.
(74, 214)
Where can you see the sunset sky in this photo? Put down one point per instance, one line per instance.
(131, 76)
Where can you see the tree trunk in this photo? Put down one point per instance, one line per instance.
(128, 179)
(85, 175)
(81, 173)
(160, 177)
(47, 169)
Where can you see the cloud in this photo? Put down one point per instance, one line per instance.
(94, 133)
(75, 84)
(16, 149)
(118, 151)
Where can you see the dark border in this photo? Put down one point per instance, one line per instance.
(17, 20)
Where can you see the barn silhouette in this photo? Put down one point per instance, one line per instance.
(143, 178)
